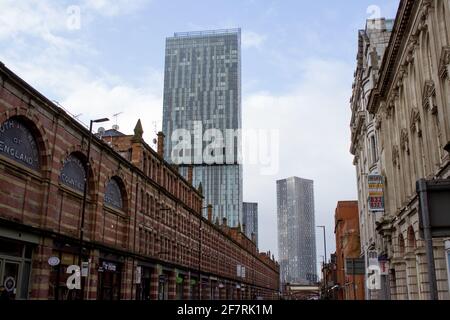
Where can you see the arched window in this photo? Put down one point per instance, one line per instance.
(73, 173)
(18, 143)
(411, 239)
(113, 194)
(401, 244)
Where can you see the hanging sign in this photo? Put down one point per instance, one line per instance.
(376, 196)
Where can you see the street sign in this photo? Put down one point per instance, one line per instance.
(84, 268)
(376, 195)
(438, 194)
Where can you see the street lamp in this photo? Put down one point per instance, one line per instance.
(83, 208)
(324, 243)
(200, 250)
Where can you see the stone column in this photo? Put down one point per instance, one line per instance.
(411, 276)
(400, 271)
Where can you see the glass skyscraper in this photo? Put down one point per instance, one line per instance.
(250, 219)
(296, 231)
(202, 91)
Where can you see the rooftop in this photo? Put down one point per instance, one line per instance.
(206, 33)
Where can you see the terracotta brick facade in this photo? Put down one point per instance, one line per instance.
(147, 248)
(351, 287)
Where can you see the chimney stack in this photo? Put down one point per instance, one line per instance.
(161, 144)
(210, 213)
(253, 237)
(190, 173)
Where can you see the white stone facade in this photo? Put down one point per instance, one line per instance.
(409, 111)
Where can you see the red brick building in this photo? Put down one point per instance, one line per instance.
(144, 236)
(350, 287)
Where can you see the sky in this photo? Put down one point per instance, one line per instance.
(98, 58)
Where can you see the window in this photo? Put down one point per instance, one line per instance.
(113, 194)
(73, 173)
(373, 150)
(447, 248)
(18, 143)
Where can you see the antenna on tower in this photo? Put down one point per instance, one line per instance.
(155, 129)
(116, 126)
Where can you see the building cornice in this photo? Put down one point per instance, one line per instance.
(392, 56)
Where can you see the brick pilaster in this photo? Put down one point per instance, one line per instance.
(92, 282)
(172, 286)
(40, 275)
(187, 288)
(154, 278)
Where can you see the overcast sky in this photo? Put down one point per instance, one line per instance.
(298, 59)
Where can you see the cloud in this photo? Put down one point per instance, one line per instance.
(42, 51)
(313, 119)
(252, 39)
(92, 95)
(113, 8)
(32, 17)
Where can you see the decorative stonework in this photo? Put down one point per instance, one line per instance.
(404, 140)
(415, 122)
(395, 156)
(410, 51)
(423, 16)
(378, 121)
(444, 63)
(390, 110)
(429, 97)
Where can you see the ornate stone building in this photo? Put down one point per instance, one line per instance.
(372, 43)
(410, 109)
(143, 233)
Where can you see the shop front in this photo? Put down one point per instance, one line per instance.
(15, 266)
(64, 255)
(143, 281)
(180, 283)
(194, 288)
(109, 277)
(163, 286)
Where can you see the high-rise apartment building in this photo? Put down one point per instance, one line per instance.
(296, 230)
(250, 220)
(202, 97)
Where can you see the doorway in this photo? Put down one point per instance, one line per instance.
(15, 268)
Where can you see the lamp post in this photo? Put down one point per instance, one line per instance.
(324, 243)
(83, 207)
(324, 258)
(200, 251)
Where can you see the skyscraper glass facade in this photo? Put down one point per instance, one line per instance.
(250, 219)
(202, 91)
(296, 231)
